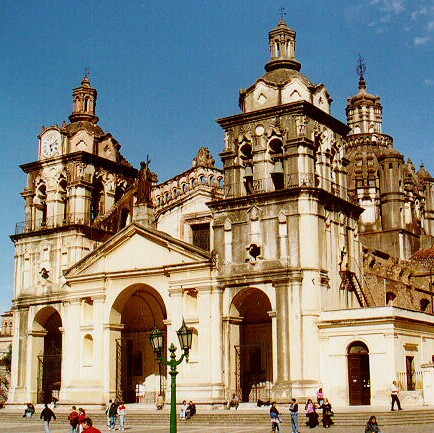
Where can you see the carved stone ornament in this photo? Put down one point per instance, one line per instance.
(203, 158)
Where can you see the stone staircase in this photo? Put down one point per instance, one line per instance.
(239, 417)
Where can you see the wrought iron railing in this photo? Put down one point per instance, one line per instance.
(410, 381)
(52, 221)
(296, 180)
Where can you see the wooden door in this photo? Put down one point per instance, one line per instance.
(359, 385)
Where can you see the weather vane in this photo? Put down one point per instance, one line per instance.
(282, 12)
(87, 71)
(361, 67)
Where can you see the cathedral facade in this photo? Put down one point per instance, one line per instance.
(278, 262)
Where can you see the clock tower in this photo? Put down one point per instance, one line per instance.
(79, 175)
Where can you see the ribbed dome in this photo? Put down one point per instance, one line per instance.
(282, 76)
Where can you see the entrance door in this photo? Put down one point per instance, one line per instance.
(359, 386)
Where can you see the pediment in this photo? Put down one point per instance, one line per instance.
(137, 248)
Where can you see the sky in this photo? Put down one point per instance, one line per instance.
(165, 70)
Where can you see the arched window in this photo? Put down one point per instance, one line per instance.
(246, 150)
(212, 180)
(275, 145)
(424, 304)
(98, 202)
(203, 180)
(63, 196)
(390, 297)
(357, 347)
(88, 350)
(125, 218)
(40, 203)
(184, 187)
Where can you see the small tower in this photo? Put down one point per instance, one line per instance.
(364, 111)
(282, 48)
(84, 103)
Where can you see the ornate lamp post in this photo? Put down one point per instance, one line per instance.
(185, 336)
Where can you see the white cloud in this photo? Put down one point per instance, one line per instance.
(430, 26)
(421, 40)
(429, 81)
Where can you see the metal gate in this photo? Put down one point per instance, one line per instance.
(253, 373)
(127, 368)
(49, 378)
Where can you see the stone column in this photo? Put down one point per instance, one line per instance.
(428, 382)
(282, 388)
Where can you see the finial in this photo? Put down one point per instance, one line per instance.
(282, 12)
(361, 67)
(87, 71)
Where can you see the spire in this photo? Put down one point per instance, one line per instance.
(282, 48)
(361, 69)
(84, 102)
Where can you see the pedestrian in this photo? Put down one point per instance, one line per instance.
(394, 390)
(293, 409)
(184, 407)
(160, 401)
(86, 423)
(113, 411)
(47, 415)
(275, 417)
(191, 410)
(234, 402)
(73, 420)
(122, 410)
(81, 417)
(312, 416)
(320, 397)
(107, 412)
(372, 425)
(327, 414)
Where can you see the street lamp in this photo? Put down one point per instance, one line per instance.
(185, 336)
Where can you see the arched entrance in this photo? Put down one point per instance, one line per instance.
(253, 353)
(139, 377)
(359, 379)
(47, 326)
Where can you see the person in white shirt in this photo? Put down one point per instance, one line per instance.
(394, 390)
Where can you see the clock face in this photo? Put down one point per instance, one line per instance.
(50, 144)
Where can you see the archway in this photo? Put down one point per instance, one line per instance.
(253, 354)
(139, 377)
(47, 324)
(359, 378)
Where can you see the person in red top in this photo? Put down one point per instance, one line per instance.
(81, 417)
(86, 423)
(73, 420)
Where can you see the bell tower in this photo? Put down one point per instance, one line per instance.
(286, 220)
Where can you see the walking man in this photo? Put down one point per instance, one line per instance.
(47, 414)
(113, 411)
(293, 408)
(394, 390)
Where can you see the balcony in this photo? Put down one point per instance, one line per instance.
(296, 180)
(52, 222)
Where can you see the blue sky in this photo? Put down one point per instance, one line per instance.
(165, 70)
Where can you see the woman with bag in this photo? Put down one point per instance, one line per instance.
(275, 418)
(327, 414)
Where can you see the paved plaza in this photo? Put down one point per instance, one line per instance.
(57, 427)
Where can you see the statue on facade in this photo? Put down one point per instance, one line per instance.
(145, 179)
